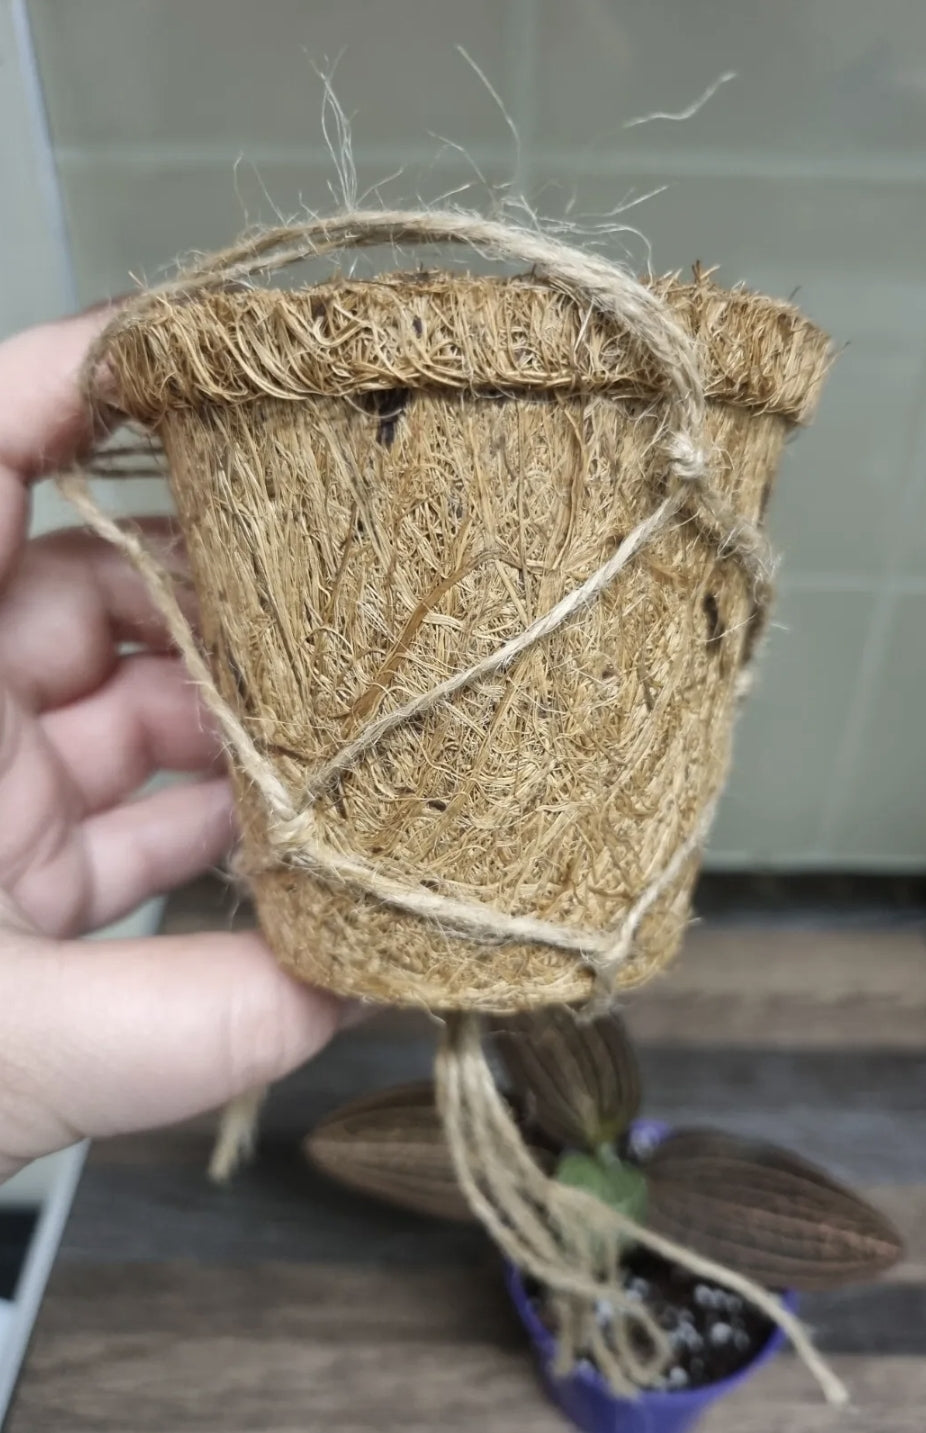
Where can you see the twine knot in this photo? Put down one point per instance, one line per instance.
(688, 462)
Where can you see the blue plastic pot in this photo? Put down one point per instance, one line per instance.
(584, 1396)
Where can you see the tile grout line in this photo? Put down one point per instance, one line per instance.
(814, 861)
(521, 44)
(874, 649)
(849, 745)
(668, 163)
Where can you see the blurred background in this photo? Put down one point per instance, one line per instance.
(135, 131)
(146, 128)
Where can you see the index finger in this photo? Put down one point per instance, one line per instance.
(45, 421)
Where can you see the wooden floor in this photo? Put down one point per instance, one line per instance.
(284, 1305)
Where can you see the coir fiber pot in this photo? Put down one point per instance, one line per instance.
(585, 1397)
(381, 482)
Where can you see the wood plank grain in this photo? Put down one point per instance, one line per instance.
(906, 1206)
(790, 988)
(151, 1384)
(326, 1303)
(359, 1353)
(344, 1302)
(888, 1396)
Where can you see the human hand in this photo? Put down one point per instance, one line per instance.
(102, 1037)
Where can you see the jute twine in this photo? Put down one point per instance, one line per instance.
(258, 398)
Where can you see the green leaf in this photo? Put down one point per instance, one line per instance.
(621, 1186)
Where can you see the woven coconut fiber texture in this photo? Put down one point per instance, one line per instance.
(379, 484)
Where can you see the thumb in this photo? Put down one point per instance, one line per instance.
(97, 1038)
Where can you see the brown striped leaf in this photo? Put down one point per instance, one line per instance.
(579, 1082)
(765, 1212)
(391, 1146)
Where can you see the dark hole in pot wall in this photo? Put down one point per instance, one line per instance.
(387, 404)
(715, 627)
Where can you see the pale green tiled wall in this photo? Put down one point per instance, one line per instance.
(808, 171)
